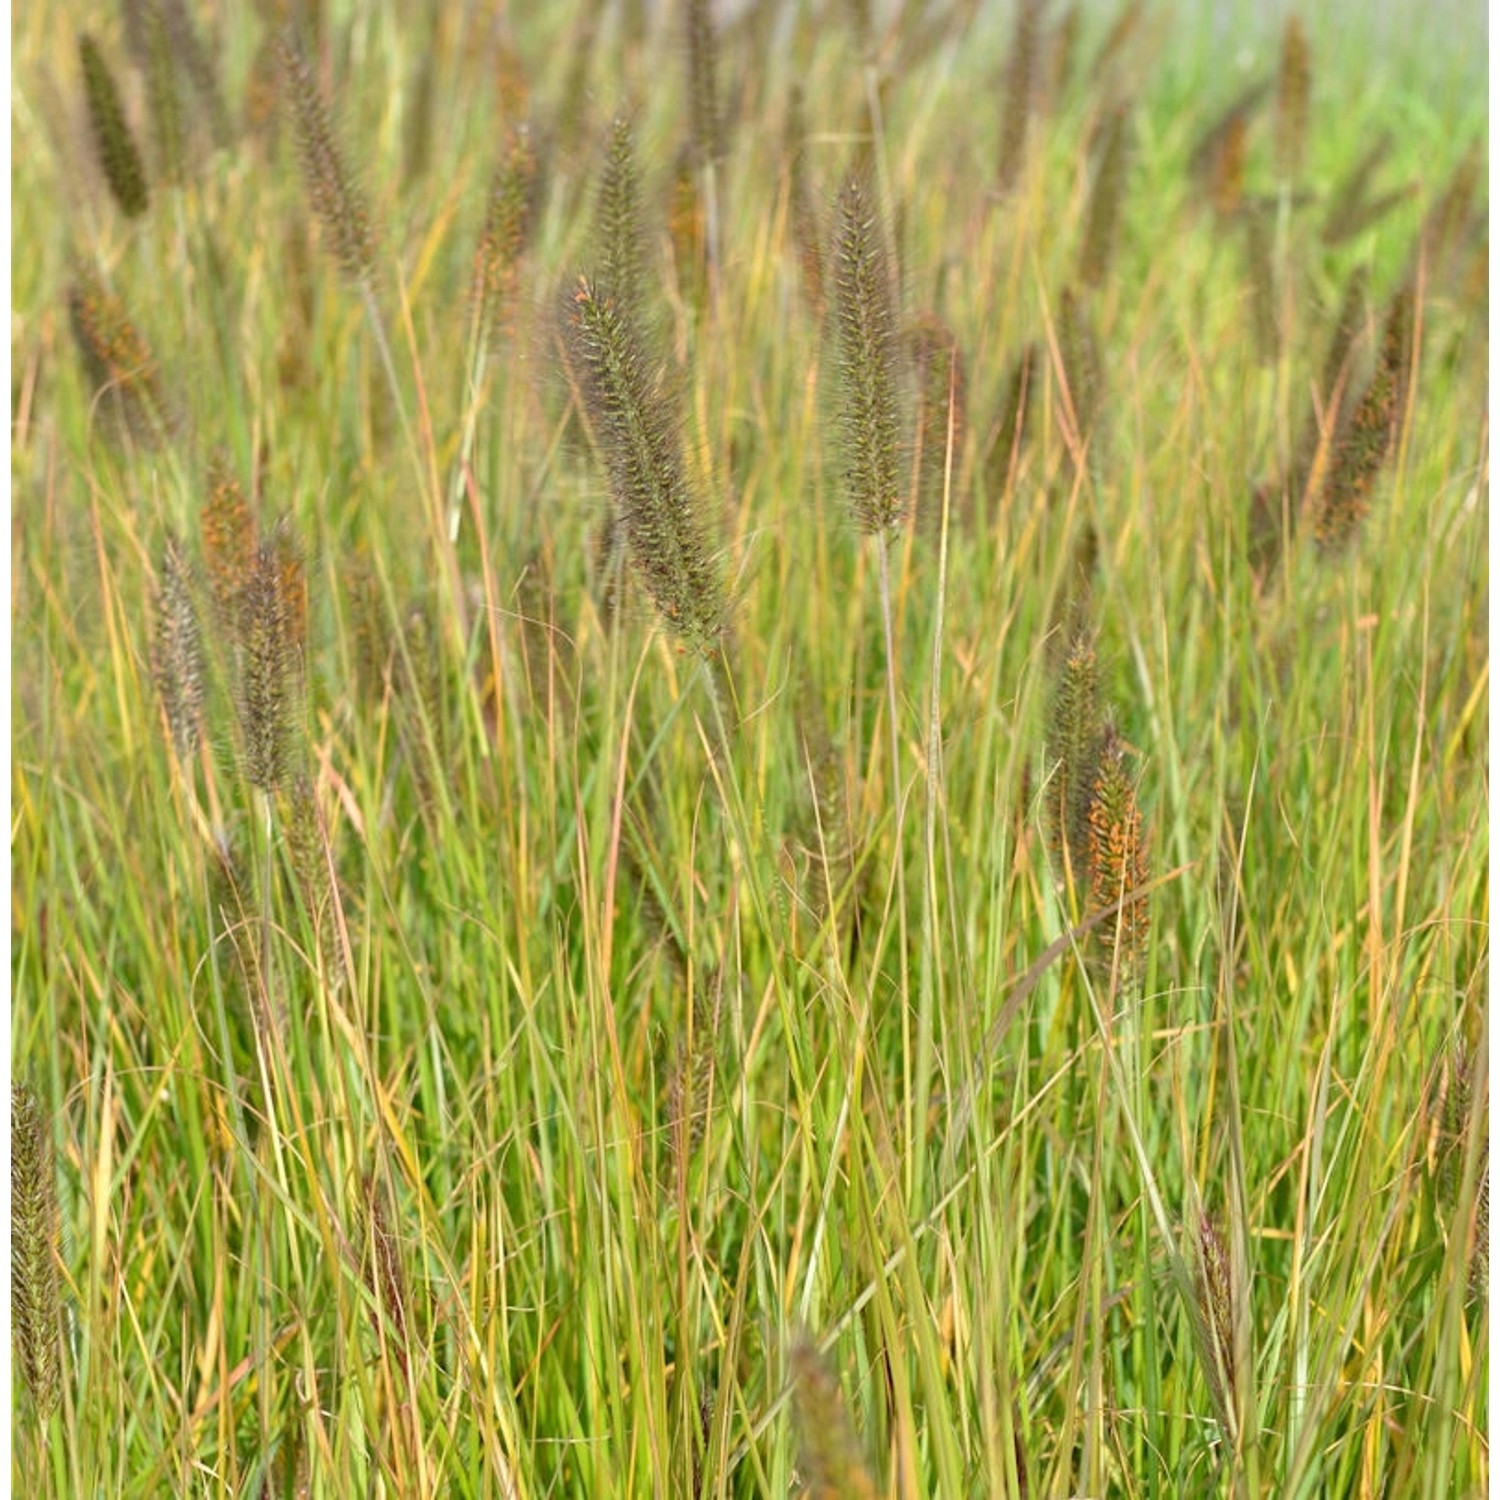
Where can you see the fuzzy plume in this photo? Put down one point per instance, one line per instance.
(690, 1080)
(232, 901)
(706, 129)
(942, 401)
(307, 843)
(380, 1265)
(330, 183)
(507, 227)
(1101, 229)
(837, 878)
(161, 39)
(1062, 52)
(1443, 228)
(536, 607)
(119, 157)
(177, 652)
(659, 511)
(1214, 1314)
(1011, 417)
(228, 534)
(118, 362)
(158, 65)
(195, 61)
(829, 1453)
(369, 628)
(417, 682)
(1369, 438)
(1261, 273)
(865, 315)
(802, 212)
(1113, 48)
(34, 1304)
(1463, 1112)
(1078, 348)
(1333, 387)
(617, 222)
(1351, 209)
(1218, 160)
(1269, 525)
(688, 231)
(1346, 328)
(1117, 860)
(272, 633)
(1072, 749)
(1293, 100)
(1019, 87)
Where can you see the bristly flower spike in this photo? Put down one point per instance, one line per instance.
(177, 655)
(330, 183)
(119, 157)
(653, 499)
(865, 316)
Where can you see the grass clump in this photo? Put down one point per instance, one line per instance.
(857, 830)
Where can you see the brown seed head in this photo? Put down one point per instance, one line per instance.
(1293, 98)
(1072, 750)
(507, 227)
(330, 184)
(865, 318)
(1101, 229)
(1020, 87)
(272, 632)
(706, 135)
(1215, 1291)
(177, 654)
(1369, 439)
(34, 1303)
(829, 1453)
(807, 232)
(228, 538)
(617, 222)
(1117, 860)
(636, 432)
(118, 362)
(381, 1267)
(119, 157)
